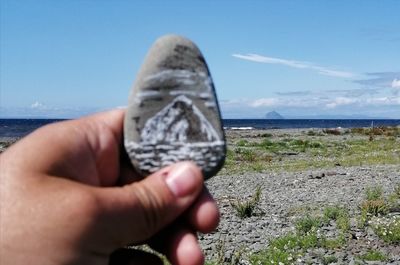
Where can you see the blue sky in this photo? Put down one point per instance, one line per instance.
(68, 58)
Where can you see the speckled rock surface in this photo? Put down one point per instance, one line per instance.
(286, 197)
(173, 114)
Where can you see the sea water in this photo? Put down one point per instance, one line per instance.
(22, 127)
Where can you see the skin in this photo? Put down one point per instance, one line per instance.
(68, 195)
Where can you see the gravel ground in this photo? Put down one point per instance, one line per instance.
(5, 142)
(285, 196)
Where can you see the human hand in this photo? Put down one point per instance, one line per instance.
(69, 196)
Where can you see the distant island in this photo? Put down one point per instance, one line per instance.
(273, 115)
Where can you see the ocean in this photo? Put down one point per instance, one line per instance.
(22, 127)
(307, 123)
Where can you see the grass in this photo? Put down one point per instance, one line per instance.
(312, 151)
(394, 199)
(287, 249)
(307, 224)
(338, 214)
(387, 228)
(333, 243)
(374, 255)
(374, 211)
(222, 258)
(374, 193)
(332, 131)
(309, 234)
(396, 191)
(329, 259)
(318, 150)
(247, 208)
(373, 205)
(382, 130)
(242, 142)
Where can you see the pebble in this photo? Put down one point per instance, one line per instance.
(173, 113)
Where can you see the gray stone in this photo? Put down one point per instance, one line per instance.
(173, 113)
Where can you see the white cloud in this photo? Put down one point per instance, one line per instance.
(295, 64)
(274, 102)
(340, 101)
(362, 102)
(37, 105)
(396, 83)
(382, 101)
(265, 102)
(316, 105)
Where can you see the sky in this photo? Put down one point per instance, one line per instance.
(303, 59)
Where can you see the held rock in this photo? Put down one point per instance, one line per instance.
(173, 113)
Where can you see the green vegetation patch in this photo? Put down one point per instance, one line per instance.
(329, 259)
(374, 213)
(387, 228)
(310, 232)
(285, 249)
(338, 214)
(307, 224)
(246, 208)
(381, 130)
(374, 193)
(290, 248)
(374, 255)
(311, 151)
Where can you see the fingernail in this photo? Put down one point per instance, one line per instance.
(182, 179)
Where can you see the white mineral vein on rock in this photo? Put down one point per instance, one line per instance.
(182, 76)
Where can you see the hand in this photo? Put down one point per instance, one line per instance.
(69, 196)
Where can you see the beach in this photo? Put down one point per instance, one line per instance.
(306, 196)
(302, 176)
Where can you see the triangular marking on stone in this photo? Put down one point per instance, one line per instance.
(156, 128)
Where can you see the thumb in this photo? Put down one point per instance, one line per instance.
(135, 212)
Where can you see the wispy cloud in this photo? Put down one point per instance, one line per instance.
(340, 101)
(322, 102)
(40, 110)
(276, 102)
(314, 105)
(294, 93)
(295, 64)
(380, 79)
(356, 92)
(367, 102)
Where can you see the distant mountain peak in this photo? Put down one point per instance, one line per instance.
(273, 115)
